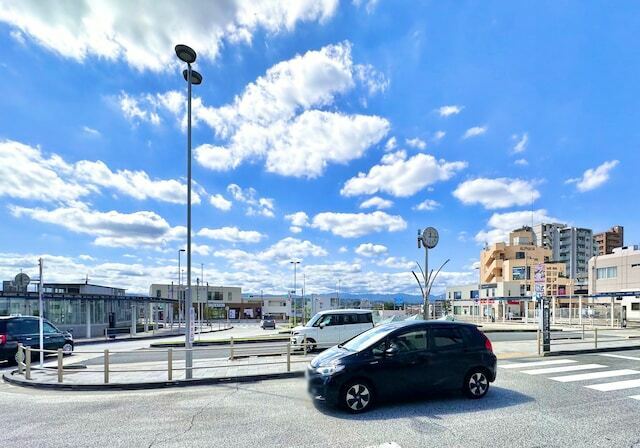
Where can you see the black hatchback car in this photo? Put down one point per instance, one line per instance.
(24, 330)
(403, 358)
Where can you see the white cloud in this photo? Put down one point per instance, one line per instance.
(91, 131)
(416, 143)
(136, 184)
(373, 80)
(136, 112)
(396, 263)
(353, 225)
(25, 173)
(521, 162)
(446, 111)
(439, 135)
(219, 202)
(256, 206)
(281, 252)
(594, 177)
(232, 235)
(298, 221)
(501, 224)
(277, 118)
(144, 33)
(391, 144)
(521, 143)
(402, 177)
(113, 229)
(369, 5)
(474, 131)
(377, 202)
(427, 205)
(371, 250)
(496, 193)
(343, 250)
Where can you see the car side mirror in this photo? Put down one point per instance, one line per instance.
(322, 325)
(391, 351)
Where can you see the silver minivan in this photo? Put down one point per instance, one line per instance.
(331, 327)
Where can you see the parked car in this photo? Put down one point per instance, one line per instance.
(403, 358)
(331, 327)
(268, 322)
(25, 330)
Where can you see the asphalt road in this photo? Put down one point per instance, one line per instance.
(521, 410)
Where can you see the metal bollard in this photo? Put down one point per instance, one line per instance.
(106, 366)
(20, 359)
(170, 364)
(27, 363)
(231, 349)
(538, 341)
(289, 357)
(583, 332)
(304, 344)
(595, 332)
(60, 369)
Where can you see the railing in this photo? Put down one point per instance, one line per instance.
(236, 351)
(585, 335)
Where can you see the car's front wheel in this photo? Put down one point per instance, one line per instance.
(476, 384)
(357, 396)
(67, 348)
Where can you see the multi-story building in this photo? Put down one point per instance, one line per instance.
(609, 239)
(573, 246)
(617, 276)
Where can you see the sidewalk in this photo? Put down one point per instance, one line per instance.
(163, 333)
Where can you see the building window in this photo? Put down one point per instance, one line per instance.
(635, 306)
(604, 273)
(229, 296)
(475, 294)
(519, 255)
(457, 295)
(158, 293)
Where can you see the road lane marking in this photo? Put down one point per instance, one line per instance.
(594, 375)
(619, 356)
(518, 365)
(616, 385)
(563, 369)
(635, 397)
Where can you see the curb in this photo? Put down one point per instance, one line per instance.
(151, 385)
(142, 338)
(589, 350)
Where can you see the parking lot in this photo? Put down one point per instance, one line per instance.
(523, 408)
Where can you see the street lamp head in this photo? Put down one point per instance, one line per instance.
(186, 54)
(181, 250)
(196, 78)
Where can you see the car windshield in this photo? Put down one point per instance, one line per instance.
(313, 320)
(368, 338)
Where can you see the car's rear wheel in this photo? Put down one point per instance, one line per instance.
(311, 345)
(67, 349)
(476, 384)
(357, 396)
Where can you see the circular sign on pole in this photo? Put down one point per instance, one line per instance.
(430, 237)
(22, 281)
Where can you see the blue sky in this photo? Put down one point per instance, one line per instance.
(319, 131)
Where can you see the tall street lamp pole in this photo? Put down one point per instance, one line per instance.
(293, 297)
(188, 55)
(179, 289)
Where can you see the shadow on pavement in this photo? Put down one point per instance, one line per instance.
(432, 405)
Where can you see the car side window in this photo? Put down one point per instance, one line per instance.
(330, 320)
(409, 341)
(364, 318)
(351, 319)
(446, 338)
(48, 328)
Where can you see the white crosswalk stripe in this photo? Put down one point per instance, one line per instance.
(611, 355)
(563, 369)
(594, 375)
(635, 397)
(616, 385)
(517, 365)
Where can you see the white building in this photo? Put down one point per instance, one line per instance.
(199, 294)
(277, 307)
(617, 276)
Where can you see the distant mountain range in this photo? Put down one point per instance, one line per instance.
(399, 298)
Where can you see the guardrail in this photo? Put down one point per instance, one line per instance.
(236, 351)
(599, 336)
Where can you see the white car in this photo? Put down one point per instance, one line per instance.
(331, 327)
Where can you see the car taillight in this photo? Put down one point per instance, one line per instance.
(487, 344)
(3, 339)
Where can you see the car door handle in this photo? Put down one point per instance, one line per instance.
(28, 339)
(373, 362)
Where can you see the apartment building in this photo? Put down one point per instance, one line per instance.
(609, 239)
